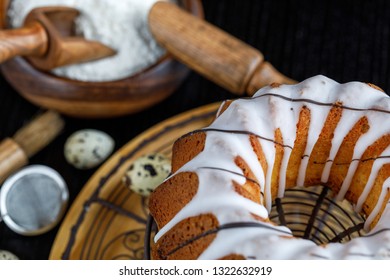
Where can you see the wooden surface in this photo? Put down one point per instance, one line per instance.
(345, 40)
(98, 100)
(95, 100)
(107, 220)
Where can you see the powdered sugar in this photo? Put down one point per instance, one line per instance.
(122, 25)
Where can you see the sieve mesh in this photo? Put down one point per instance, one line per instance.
(34, 201)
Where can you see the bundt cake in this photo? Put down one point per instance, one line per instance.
(225, 177)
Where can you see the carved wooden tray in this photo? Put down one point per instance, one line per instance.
(107, 220)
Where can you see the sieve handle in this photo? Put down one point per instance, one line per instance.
(210, 51)
(12, 157)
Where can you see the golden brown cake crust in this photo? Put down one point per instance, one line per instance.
(188, 239)
(172, 196)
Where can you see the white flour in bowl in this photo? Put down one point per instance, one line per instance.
(121, 25)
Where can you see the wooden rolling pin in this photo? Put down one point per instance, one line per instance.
(48, 40)
(27, 141)
(210, 51)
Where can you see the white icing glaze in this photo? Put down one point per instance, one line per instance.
(270, 109)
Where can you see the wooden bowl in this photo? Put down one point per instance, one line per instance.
(97, 99)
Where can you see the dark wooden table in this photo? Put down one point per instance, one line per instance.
(344, 40)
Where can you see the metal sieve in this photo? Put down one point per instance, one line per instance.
(33, 200)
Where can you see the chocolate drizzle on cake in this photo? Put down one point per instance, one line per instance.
(227, 227)
(305, 100)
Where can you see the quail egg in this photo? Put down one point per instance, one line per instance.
(87, 148)
(146, 173)
(5, 255)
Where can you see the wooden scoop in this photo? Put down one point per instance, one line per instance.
(212, 52)
(48, 40)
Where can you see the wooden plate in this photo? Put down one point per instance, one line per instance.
(107, 220)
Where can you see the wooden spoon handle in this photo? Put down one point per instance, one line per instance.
(29, 40)
(210, 51)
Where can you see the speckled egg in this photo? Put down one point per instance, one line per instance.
(146, 173)
(5, 255)
(87, 148)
